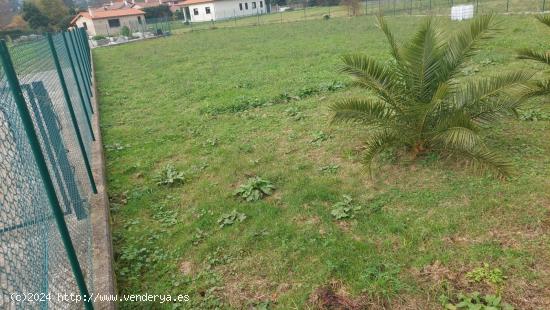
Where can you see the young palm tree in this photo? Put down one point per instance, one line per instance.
(418, 100)
(542, 87)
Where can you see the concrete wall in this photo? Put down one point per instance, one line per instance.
(201, 10)
(101, 26)
(220, 10)
(90, 29)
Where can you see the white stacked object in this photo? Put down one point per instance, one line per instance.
(460, 12)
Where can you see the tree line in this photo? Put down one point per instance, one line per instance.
(36, 16)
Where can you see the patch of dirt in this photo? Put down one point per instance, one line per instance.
(186, 268)
(305, 220)
(239, 291)
(333, 296)
(528, 296)
(344, 225)
(436, 274)
(347, 227)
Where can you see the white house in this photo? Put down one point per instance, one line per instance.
(207, 10)
(108, 22)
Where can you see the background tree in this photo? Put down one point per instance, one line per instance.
(47, 15)
(32, 14)
(7, 12)
(17, 22)
(55, 10)
(161, 11)
(421, 104)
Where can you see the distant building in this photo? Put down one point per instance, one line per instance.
(198, 10)
(207, 10)
(108, 21)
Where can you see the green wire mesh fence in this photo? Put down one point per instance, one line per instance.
(303, 10)
(46, 182)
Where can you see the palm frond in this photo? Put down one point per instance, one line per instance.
(543, 57)
(374, 76)
(463, 45)
(483, 159)
(473, 92)
(457, 137)
(450, 119)
(361, 110)
(423, 57)
(538, 88)
(376, 143)
(394, 46)
(545, 19)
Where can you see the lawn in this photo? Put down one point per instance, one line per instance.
(224, 105)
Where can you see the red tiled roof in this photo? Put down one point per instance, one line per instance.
(195, 1)
(101, 14)
(188, 2)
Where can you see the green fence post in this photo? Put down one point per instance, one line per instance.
(80, 51)
(85, 82)
(78, 86)
(87, 89)
(543, 5)
(87, 49)
(84, 56)
(28, 125)
(366, 7)
(71, 112)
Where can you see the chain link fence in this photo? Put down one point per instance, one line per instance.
(310, 10)
(46, 181)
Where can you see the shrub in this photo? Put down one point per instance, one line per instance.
(421, 103)
(99, 37)
(125, 31)
(476, 301)
(345, 209)
(169, 176)
(231, 218)
(255, 189)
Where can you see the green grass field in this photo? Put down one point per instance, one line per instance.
(226, 104)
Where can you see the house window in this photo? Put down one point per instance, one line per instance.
(114, 23)
(241, 6)
(246, 5)
(195, 11)
(139, 20)
(85, 26)
(207, 10)
(261, 4)
(253, 5)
